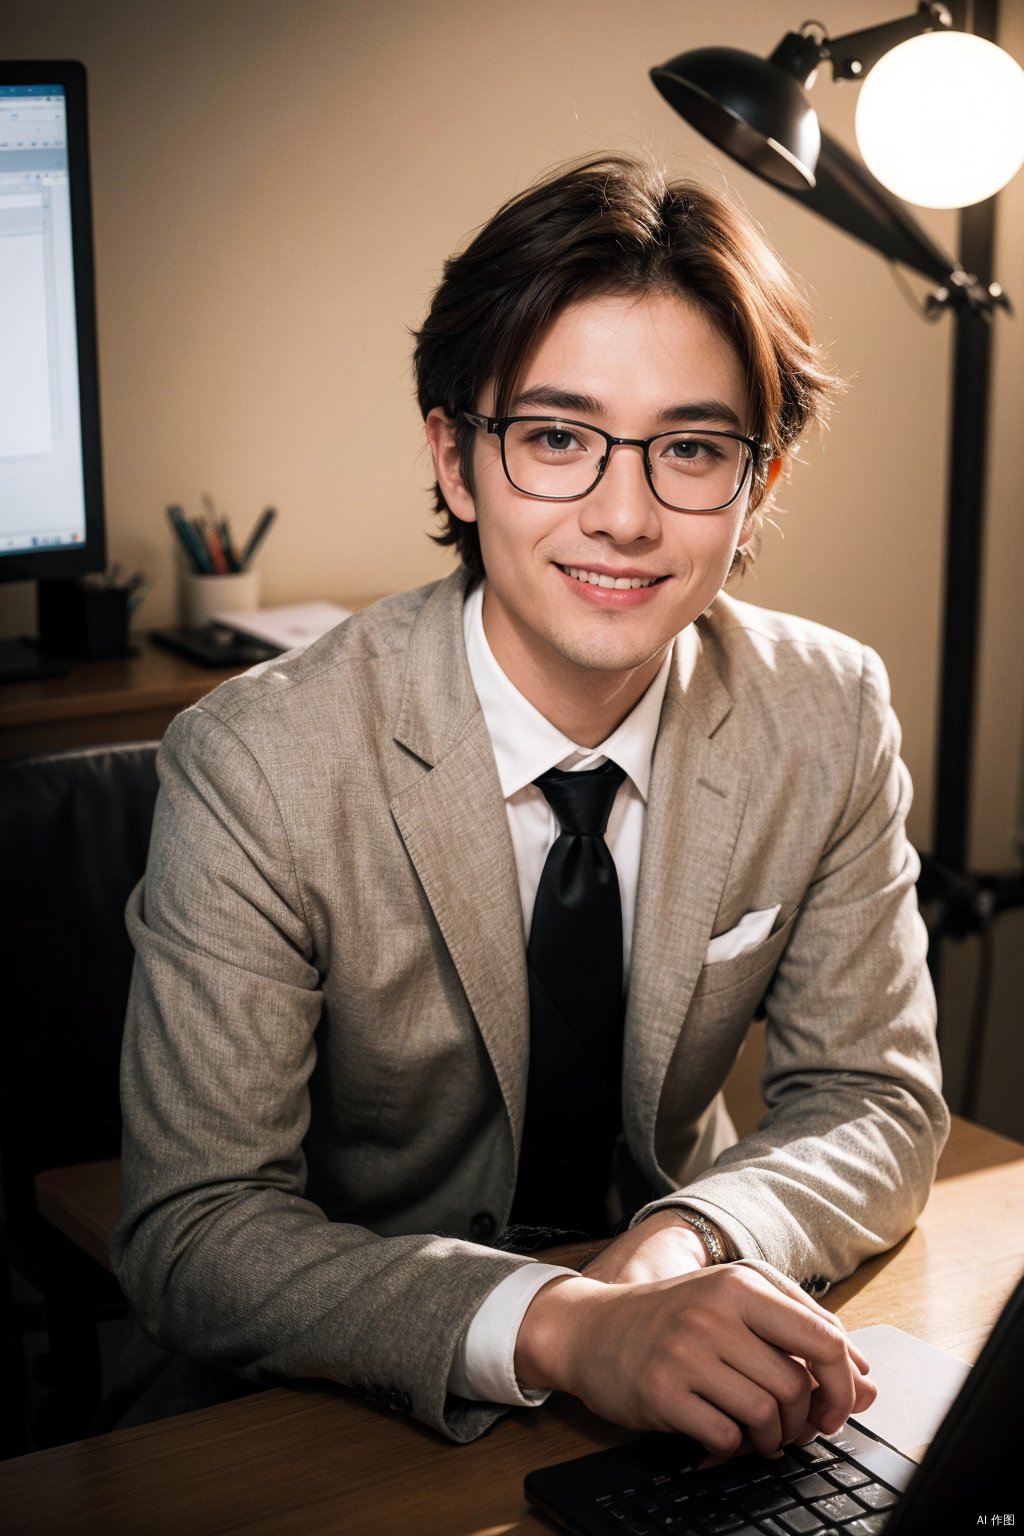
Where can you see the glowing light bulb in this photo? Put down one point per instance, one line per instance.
(940, 119)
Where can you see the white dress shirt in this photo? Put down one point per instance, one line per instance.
(526, 745)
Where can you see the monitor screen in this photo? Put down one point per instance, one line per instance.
(51, 521)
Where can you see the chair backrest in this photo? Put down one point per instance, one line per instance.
(74, 833)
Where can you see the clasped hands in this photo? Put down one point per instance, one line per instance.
(650, 1338)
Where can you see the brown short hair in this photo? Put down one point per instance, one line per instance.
(613, 225)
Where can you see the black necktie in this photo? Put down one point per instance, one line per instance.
(574, 962)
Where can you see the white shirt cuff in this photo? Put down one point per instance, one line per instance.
(483, 1367)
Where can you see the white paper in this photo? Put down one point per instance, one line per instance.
(916, 1386)
(290, 627)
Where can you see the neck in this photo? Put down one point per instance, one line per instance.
(585, 703)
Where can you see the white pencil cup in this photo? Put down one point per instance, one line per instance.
(205, 597)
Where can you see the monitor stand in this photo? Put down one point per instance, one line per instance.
(21, 661)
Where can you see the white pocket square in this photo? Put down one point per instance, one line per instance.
(750, 930)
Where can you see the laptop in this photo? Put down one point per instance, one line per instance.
(849, 1484)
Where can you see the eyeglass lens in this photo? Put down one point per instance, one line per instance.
(691, 471)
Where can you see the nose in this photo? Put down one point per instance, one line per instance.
(622, 505)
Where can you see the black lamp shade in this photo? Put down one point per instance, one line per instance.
(748, 106)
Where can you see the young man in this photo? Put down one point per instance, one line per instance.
(401, 1010)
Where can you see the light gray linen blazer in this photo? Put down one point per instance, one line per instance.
(326, 1046)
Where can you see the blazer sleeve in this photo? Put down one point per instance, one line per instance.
(218, 1250)
(842, 1162)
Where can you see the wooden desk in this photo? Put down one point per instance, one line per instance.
(134, 698)
(83, 1202)
(317, 1462)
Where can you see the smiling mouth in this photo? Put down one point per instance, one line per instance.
(602, 579)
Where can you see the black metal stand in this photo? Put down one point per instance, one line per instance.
(957, 902)
(843, 192)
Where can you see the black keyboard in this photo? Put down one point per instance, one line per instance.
(843, 1485)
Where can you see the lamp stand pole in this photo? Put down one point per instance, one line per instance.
(965, 902)
(965, 522)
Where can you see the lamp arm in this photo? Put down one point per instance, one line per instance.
(846, 194)
(853, 54)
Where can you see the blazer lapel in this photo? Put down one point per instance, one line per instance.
(697, 794)
(453, 822)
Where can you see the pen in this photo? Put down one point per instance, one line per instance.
(226, 544)
(195, 552)
(263, 523)
(137, 593)
(216, 548)
(199, 531)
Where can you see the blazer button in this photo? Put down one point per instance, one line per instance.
(482, 1227)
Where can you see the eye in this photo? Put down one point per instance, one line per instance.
(553, 438)
(692, 452)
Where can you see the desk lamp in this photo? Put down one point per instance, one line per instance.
(758, 111)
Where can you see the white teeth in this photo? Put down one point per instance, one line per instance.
(619, 583)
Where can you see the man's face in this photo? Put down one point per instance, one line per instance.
(634, 365)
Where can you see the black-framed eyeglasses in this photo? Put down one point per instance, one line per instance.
(556, 459)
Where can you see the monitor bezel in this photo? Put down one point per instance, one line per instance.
(91, 555)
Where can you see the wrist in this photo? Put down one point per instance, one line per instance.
(713, 1243)
(547, 1332)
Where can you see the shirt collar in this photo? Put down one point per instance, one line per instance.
(525, 744)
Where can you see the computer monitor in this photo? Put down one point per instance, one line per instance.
(51, 499)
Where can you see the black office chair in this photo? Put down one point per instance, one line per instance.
(74, 832)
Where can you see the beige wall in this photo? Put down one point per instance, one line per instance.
(276, 187)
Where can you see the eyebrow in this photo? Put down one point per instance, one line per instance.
(554, 398)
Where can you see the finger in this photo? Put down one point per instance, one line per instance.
(742, 1449)
(787, 1380)
(747, 1403)
(720, 1435)
(811, 1336)
(860, 1361)
(866, 1392)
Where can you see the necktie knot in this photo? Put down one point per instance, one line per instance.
(582, 802)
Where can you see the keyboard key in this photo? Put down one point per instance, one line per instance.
(839, 1506)
(765, 1501)
(801, 1521)
(631, 1520)
(876, 1497)
(816, 1454)
(845, 1475)
(736, 1479)
(787, 1466)
(870, 1525)
(811, 1486)
(723, 1521)
(845, 1447)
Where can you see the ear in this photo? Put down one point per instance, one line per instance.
(440, 431)
(752, 519)
(774, 471)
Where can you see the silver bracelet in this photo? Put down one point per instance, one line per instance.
(706, 1232)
